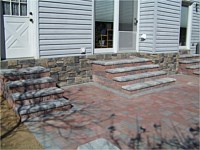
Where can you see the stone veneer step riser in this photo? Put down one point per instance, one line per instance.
(29, 101)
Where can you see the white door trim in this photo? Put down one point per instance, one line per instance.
(189, 29)
(138, 25)
(34, 28)
(116, 27)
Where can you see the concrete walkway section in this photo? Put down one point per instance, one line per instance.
(166, 118)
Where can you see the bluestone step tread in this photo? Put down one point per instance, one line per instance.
(147, 84)
(138, 76)
(193, 67)
(135, 68)
(50, 104)
(189, 55)
(120, 61)
(18, 83)
(197, 72)
(23, 71)
(189, 61)
(37, 93)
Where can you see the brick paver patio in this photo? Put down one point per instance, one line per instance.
(175, 108)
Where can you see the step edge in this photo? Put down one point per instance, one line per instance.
(142, 68)
(60, 90)
(147, 82)
(53, 101)
(151, 75)
(24, 82)
(117, 62)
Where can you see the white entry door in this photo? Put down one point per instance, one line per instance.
(17, 28)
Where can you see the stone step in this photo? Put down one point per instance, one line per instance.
(189, 61)
(139, 76)
(120, 61)
(36, 93)
(23, 71)
(193, 67)
(43, 106)
(197, 73)
(148, 84)
(28, 82)
(128, 69)
(189, 56)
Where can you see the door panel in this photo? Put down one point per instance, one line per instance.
(127, 25)
(16, 27)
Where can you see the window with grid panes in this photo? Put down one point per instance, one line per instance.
(15, 7)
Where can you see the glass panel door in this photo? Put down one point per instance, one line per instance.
(127, 24)
(183, 26)
(104, 18)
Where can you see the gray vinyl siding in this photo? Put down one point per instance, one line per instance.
(146, 25)
(195, 36)
(65, 26)
(168, 26)
(160, 21)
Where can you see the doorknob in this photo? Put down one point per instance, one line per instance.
(135, 21)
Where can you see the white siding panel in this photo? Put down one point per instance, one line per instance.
(77, 2)
(65, 26)
(168, 26)
(63, 11)
(146, 25)
(61, 37)
(63, 47)
(64, 21)
(51, 32)
(65, 16)
(63, 42)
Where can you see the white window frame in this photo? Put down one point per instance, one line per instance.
(115, 48)
(19, 8)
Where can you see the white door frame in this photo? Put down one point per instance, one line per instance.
(34, 28)
(115, 48)
(189, 29)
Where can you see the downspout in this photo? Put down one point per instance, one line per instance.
(2, 37)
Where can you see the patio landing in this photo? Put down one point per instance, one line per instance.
(103, 113)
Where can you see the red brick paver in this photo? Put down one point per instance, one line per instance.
(175, 108)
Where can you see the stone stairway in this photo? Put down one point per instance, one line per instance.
(189, 64)
(131, 75)
(31, 92)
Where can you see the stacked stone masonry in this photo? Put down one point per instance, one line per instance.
(78, 69)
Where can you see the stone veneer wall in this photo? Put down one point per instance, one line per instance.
(168, 62)
(78, 69)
